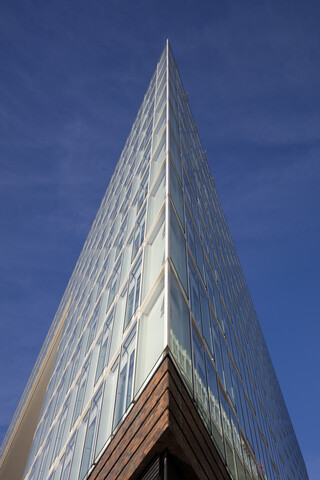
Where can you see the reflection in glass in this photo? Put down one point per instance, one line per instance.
(151, 335)
(80, 434)
(217, 351)
(81, 387)
(200, 377)
(133, 291)
(227, 431)
(156, 198)
(126, 259)
(214, 403)
(139, 232)
(154, 256)
(91, 434)
(176, 194)
(180, 343)
(178, 249)
(61, 428)
(124, 387)
(45, 464)
(105, 345)
(118, 322)
(205, 314)
(158, 157)
(194, 294)
(175, 154)
(108, 402)
(67, 459)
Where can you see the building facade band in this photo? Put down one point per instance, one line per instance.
(159, 278)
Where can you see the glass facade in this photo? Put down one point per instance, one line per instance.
(159, 269)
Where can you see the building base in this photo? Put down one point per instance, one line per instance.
(162, 437)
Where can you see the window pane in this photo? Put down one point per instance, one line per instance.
(105, 345)
(67, 459)
(156, 198)
(151, 336)
(81, 383)
(229, 387)
(214, 404)
(113, 282)
(190, 234)
(217, 351)
(205, 316)
(176, 194)
(91, 374)
(158, 157)
(178, 249)
(159, 128)
(180, 330)
(78, 449)
(61, 428)
(126, 259)
(100, 310)
(200, 378)
(175, 154)
(133, 291)
(75, 363)
(118, 322)
(124, 387)
(107, 406)
(227, 430)
(139, 232)
(132, 214)
(174, 124)
(160, 105)
(92, 332)
(154, 256)
(44, 459)
(91, 434)
(194, 294)
(238, 447)
(200, 260)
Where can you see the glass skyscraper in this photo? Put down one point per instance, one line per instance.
(158, 277)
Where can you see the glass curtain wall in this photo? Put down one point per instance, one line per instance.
(159, 268)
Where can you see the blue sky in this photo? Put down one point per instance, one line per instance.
(73, 74)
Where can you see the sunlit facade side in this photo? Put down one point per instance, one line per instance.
(159, 270)
(116, 295)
